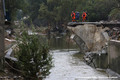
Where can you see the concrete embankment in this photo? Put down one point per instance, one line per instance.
(114, 55)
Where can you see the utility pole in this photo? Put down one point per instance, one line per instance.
(1, 33)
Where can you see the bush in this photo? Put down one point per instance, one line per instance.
(33, 56)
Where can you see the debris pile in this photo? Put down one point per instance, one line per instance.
(114, 33)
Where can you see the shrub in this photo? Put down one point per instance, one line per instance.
(33, 57)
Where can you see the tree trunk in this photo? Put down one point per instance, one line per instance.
(1, 33)
(1, 29)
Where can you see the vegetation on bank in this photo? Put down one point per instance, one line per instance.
(34, 59)
(57, 12)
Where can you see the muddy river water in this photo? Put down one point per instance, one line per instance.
(69, 64)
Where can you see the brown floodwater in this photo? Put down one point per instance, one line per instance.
(69, 65)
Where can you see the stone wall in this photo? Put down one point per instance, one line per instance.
(114, 55)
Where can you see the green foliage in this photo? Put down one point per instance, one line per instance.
(115, 14)
(57, 12)
(33, 56)
(99, 9)
(13, 6)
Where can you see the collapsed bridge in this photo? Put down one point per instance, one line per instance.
(101, 38)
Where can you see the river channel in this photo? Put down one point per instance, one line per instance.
(68, 63)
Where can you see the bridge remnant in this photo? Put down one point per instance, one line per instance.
(92, 35)
(96, 38)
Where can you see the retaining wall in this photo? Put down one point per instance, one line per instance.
(114, 55)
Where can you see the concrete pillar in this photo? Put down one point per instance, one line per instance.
(114, 55)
